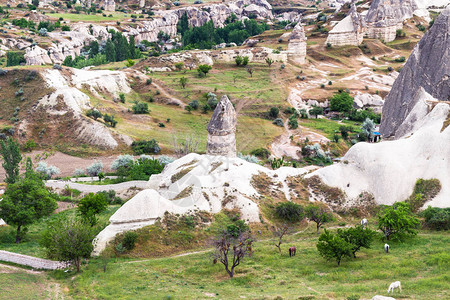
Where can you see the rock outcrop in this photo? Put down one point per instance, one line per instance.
(199, 182)
(297, 45)
(221, 130)
(35, 55)
(109, 5)
(427, 70)
(386, 16)
(349, 31)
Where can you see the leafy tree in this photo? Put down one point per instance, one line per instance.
(368, 127)
(110, 51)
(293, 123)
(318, 215)
(14, 58)
(344, 131)
(397, 221)
(203, 69)
(269, 61)
(358, 236)
(290, 212)
(230, 251)
(245, 60)
(315, 111)
(341, 102)
(183, 24)
(25, 202)
(238, 60)
(68, 239)
(68, 61)
(35, 3)
(93, 49)
(183, 82)
(109, 119)
(250, 71)
(10, 152)
(332, 246)
(91, 205)
(274, 112)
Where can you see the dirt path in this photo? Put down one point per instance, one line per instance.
(88, 188)
(172, 99)
(31, 261)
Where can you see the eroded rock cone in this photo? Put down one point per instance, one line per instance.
(427, 69)
(297, 44)
(221, 130)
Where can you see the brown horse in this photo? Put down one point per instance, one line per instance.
(292, 251)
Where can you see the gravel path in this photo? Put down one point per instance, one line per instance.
(87, 188)
(31, 261)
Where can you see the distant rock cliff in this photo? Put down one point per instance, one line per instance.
(428, 70)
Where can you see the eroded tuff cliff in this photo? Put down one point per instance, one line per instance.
(427, 68)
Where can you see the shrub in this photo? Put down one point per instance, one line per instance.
(261, 153)
(140, 108)
(91, 205)
(274, 112)
(47, 171)
(165, 160)
(122, 97)
(250, 158)
(194, 104)
(238, 60)
(129, 63)
(78, 172)
(400, 59)
(94, 114)
(245, 60)
(145, 147)
(65, 28)
(293, 123)
(149, 81)
(278, 122)
(129, 240)
(14, 58)
(122, 161)
(437, 218)
(290, 212)
(179, 66)
(203, 70)
(95, 168)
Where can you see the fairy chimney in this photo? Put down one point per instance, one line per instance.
(221, 130)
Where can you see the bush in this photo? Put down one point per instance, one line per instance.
(14, 58)
(261, 153)
(203, 70)
(274, 112)
(437, 218)
(94, 114)
(122, 97)
(47, 171)
(250, 158)
(140, 108)
(400, 59)
(129, 240)
(122, 161)
(95, 168)
(145, 147)
(65, 28)
(278, 122)
(290, 212)
(194, 104)
(91, 205)
(238, 60)
(293, 123)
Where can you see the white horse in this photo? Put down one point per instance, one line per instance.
(364, 222)
(395, 285)
(386, 248)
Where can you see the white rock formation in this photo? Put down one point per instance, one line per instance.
(109, 5)
(35, 55)
(297, 45)
(222, 130)
(256, 54)
(196, 182)
(67, 85)
(386, 16)
(389, 169)
(349, 31)
(364, 100)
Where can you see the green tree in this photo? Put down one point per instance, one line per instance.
(35, 3)
(318, 215)
(132, 47)
(315, 111)
(203, 70)
(25, 202)
(341, 102)
(437, 218)
(274, 112)
(110, 51)
(290, 212)
(332, 246)
(183, 24)
(91, 205)
(140, 108)
(238, 60)
(68, 239)
(93, 49)
(269, 61)
(183, 82)
(10, 152)
(397, 221)
(358, 236)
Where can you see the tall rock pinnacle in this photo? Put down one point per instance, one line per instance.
(221, 130)
(427, 69)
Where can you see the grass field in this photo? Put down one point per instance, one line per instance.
(421, 264)
(116, 16)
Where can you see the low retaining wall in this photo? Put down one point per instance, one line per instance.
(31, 261)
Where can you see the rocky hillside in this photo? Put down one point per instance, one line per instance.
(427, 68)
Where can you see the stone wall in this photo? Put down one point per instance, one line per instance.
(30, 261)
(345, 38)
(383, 33)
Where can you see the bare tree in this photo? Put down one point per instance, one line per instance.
(230, 251)
(280, 233)
(185, 145)
(250, 71)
